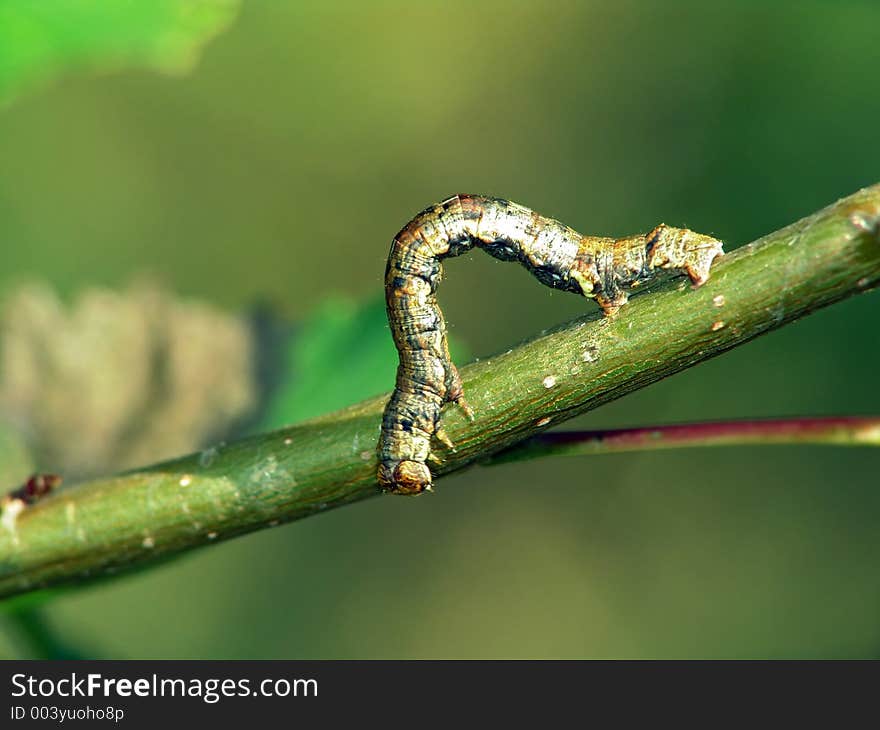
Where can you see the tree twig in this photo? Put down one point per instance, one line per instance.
(830, 431)
(116, 523)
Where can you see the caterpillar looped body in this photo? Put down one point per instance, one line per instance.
(601, 268)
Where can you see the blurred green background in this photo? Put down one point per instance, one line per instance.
(277, 172)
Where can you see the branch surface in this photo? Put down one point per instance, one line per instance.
(120, 522)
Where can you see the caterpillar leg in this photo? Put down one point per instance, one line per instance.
(443, 438)
(464, 405)
(683, 250)
(455, 390)
(611, 305)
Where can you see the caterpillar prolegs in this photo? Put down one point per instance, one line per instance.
(602, 268)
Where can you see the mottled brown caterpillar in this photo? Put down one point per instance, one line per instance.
(601, 268)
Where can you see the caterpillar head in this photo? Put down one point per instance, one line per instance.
(405, 477)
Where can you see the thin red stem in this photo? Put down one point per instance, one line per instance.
(839, 430)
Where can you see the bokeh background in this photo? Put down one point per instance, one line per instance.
(275, 173)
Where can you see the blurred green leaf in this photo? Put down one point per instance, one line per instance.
(342, 354)
(39, 40)
(39, 638)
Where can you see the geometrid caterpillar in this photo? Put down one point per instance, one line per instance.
(601, 268)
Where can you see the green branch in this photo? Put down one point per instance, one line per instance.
(116, 523)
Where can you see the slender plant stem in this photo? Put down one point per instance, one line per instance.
(830, 431)
(115, 523)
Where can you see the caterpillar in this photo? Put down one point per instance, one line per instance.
(604, 269)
